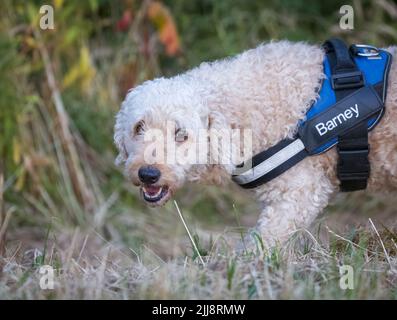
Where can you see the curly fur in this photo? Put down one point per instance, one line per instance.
(266, 89)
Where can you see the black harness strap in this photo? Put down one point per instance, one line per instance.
(353, 168)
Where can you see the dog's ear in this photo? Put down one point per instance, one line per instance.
(122, 156)
(119, 140)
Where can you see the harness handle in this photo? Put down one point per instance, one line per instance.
(342, 59)
(345, 74)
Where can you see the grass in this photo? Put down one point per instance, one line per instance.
(148, 255)
(87, 266)
(64, 204)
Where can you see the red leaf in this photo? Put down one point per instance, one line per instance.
(124, 23)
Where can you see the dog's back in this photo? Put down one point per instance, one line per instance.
(383, 138)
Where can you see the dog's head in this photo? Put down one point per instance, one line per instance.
(158, 123)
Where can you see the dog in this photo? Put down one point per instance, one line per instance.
(266, 90)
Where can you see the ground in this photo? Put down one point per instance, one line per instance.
(163, 264)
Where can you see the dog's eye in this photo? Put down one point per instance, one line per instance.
(139, 128)
(181, 135)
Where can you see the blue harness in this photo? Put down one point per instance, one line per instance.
(351, 103)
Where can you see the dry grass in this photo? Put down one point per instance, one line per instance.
(89, 266)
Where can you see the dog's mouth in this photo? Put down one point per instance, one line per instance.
(155, 195)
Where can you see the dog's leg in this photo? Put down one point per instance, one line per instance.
(292, 201)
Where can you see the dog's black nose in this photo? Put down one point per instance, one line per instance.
(149, 175)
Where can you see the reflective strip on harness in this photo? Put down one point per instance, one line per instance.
(273, 162)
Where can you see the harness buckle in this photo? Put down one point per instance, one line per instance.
(347, 80)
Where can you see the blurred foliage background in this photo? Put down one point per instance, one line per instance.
(60, 90)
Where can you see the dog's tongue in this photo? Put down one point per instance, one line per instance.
(152, 190)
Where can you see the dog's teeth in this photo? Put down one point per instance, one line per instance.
(151, 196)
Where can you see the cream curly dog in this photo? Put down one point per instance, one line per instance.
(266, 90)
